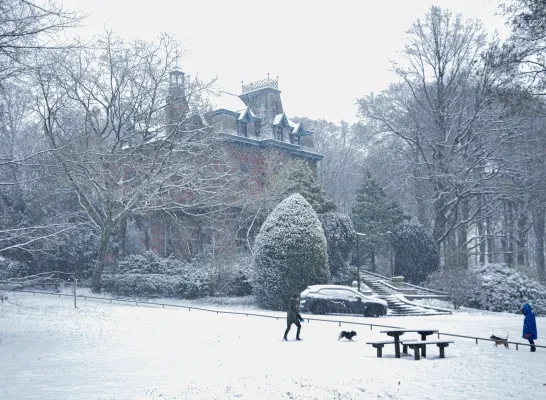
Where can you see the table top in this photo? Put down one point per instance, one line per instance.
(409, 330)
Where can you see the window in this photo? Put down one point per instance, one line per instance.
(340, 293)
(243, 129)
(278, 131)
(295, 139)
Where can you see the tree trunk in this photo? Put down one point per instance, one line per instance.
(522, 233)
(538, 225)
(462, 236)
(123, 236)
(481, 233)
(507, 233)
(96, 278)
(490, 240)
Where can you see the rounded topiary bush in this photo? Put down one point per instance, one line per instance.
(290, 253)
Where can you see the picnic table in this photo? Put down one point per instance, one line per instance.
(396, 333)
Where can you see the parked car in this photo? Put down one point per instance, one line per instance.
(338, 299)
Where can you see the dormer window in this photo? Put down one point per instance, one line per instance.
(279, 133)
(295, 139)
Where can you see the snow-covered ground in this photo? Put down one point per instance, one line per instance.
(51, 351)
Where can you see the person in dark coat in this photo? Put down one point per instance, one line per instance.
(293, 316)
(529, 326)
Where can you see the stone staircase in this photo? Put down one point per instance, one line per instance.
(396, 299)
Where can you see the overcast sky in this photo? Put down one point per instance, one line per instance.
(325, 53)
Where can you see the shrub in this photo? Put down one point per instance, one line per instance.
(462, 285)
(506, 289)
(13, 269)
(290, 253)
(149, 275)
(149, 263)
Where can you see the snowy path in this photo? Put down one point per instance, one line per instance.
(51, 351)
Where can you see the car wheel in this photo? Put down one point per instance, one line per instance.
(374, 311)
(319, 309)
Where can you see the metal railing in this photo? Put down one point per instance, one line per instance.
(490, 340)
(189, 308)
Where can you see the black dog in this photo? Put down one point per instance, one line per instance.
(499, 340)
(347, 335)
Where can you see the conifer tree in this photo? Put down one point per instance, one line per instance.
(297, 177)
(376, 216)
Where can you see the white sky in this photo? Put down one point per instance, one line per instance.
(325, 53)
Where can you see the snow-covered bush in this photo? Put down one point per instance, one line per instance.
(340, 238)
(150, 263)
(462, 285)
(506, 289)
(290, 253)
(141, 285)
(231, 274)
(13, 269)
(149, 275)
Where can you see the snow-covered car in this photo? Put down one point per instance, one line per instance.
(338, 299)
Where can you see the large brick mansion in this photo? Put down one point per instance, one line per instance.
(254, 125)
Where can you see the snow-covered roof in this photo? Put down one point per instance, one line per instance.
(246, 111)
(298, 128)
(228, 101)
(279, 118)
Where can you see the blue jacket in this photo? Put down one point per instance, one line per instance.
(529, 323)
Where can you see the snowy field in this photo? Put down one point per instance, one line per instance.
(101, 351)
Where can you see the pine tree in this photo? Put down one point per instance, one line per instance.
(297, 177)
(290, 253)
(416, 255)
(375, 216)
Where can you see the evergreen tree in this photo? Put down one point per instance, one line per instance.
(375, 216)
(416, 255)
(297, 177)
(340, 237)
(290, 253)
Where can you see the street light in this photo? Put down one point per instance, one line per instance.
(392, 253)
(358, 258)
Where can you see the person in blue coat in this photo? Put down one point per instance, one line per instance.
(529, 326)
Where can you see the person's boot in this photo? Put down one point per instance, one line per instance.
(298, 334)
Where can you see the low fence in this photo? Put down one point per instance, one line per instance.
(489, 340)
(189, 308)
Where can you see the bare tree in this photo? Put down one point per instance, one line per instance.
(28, 26)
(446, 112)
(128, 136)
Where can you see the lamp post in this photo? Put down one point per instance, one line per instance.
(392, 253)
(358, 234)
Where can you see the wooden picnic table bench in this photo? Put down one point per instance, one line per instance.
(396, 333)
(379, 346)
(419, 346)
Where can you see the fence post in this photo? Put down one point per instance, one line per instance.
(75, 288)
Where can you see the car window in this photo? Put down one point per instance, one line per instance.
(337, 292)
